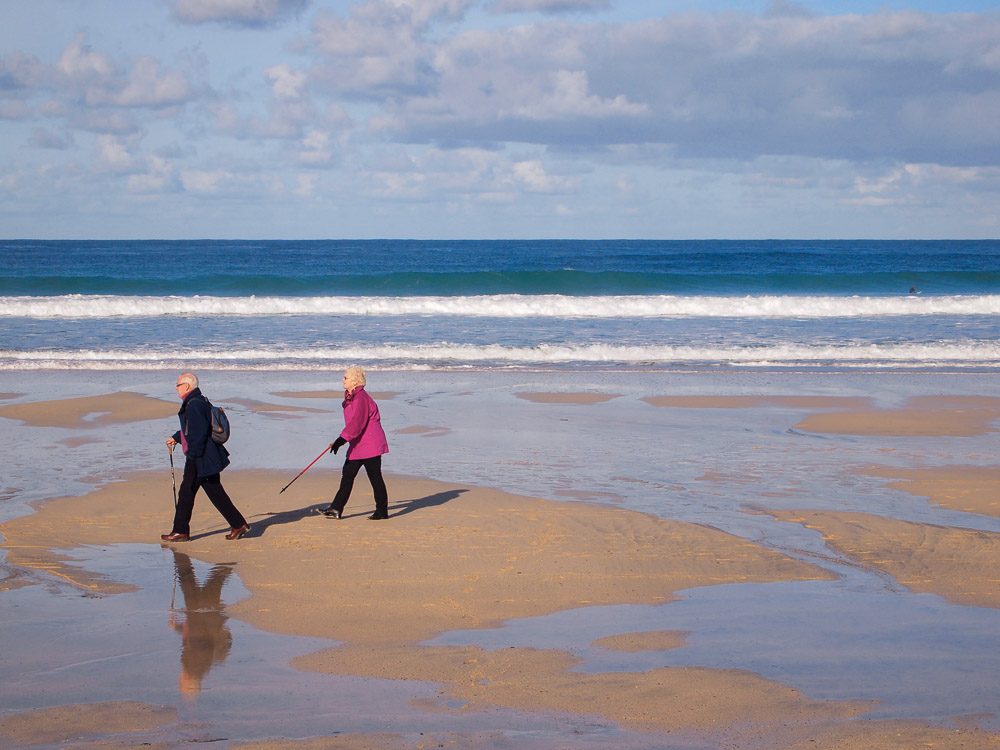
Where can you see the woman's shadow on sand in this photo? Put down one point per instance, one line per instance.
(261, 524)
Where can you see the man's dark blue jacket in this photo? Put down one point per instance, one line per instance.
(196, 424)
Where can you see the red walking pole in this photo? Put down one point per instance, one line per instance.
(325, 451)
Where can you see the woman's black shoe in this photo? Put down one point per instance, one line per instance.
(378, 516)
(333, 513)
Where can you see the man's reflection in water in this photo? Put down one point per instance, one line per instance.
(205, 639)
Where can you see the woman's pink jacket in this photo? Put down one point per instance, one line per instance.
(363, 426)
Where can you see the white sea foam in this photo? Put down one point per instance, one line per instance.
(501, 306)
(445, 354)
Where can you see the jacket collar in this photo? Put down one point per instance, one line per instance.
(196, 393)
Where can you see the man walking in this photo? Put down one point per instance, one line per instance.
(204, 461)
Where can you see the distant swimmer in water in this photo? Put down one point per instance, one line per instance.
(913, 289)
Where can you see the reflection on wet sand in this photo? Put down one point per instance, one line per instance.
(205, 638)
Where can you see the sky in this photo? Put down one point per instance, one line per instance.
(496, 119)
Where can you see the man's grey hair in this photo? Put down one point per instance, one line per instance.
(190, 378)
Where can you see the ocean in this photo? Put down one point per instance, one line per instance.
(538, 305)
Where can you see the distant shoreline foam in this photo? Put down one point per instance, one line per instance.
(465, 356)
(502, 306)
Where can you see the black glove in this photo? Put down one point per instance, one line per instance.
(336, 444)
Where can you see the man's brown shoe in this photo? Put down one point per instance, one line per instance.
(175, 537)
(237, 533)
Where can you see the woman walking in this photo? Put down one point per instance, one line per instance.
(366, 444)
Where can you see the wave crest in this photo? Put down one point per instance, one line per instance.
(446, 355)
(500, 306)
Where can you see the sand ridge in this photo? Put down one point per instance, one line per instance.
(957, 564)
(967, 489)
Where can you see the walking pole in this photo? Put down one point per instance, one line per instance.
(172, 475)
(325, 451)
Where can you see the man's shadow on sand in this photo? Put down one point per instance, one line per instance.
(261, 524)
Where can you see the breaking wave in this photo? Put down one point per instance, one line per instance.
(500, 306)
(446, 355)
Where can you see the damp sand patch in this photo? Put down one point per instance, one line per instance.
(113, 408)
(334, 395)
(756, 402)
(925, 416)
(967, 489)
(959, 565)
(579, 399)
(117, 721)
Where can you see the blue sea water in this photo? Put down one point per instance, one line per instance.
(538, 305)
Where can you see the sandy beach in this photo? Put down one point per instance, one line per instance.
(467, 557)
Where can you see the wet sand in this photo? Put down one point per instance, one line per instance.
(749, 402)
(113, 408)
(334, 397)
(957, 564)
(968, 489)
(928, 416)
(458, 557)
(581, 399)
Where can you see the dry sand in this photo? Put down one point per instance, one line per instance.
(459, 557)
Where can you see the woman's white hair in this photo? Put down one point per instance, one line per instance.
(355, 376)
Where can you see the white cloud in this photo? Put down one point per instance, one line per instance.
(146, 85)
(113, 154)
(305, 184)
(285, 82)
(548, 6)
(205, 181)
(532, 175)
(436, 104)
(159, 177)
(80, 62)
(420, 13)
(967, 177)
(315, 149)
(88, 87)
(730, 84)
(568, 95)
(236, 12)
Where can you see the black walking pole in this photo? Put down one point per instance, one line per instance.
(325, 451)
(172, 475)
